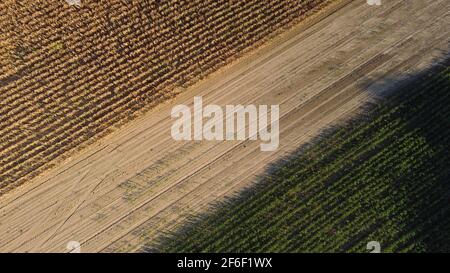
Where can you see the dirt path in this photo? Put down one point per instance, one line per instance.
(138, 182)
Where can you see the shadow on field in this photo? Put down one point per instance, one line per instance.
(415, 200)
(425, 183)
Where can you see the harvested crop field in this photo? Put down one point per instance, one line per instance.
(69, 74)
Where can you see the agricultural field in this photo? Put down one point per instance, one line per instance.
(384, 177)
(69, 74)
(87, 93)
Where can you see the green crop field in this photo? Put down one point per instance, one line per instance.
(384, 177)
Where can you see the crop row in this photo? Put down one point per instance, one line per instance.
(82, 71)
